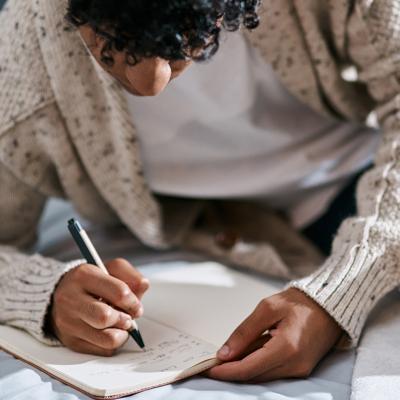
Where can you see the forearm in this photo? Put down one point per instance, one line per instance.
(26, 287)
(349, 285)
(363, 266)
(26, 281)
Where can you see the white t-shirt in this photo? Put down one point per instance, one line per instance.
(228, 129)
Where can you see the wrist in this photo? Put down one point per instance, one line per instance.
(48, 325)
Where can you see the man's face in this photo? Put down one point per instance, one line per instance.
(147, 78)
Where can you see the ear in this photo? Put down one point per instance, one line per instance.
(89, 37)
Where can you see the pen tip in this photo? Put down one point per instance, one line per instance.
(138, 338)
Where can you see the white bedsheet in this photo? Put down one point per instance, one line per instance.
(18, 381)
(377, 370)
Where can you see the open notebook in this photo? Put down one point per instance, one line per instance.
(190, 311)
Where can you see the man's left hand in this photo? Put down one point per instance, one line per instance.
(300, 333)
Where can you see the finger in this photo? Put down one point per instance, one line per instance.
(82, 346)
(109, 339)
(272, 375)
(124, 271)
(111, 289)
(261, 361)
(100, 315)
(262, 318)
(257, 344)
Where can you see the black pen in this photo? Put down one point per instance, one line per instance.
(92, 257)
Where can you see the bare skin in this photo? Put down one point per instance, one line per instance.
(147, 78)
(87, 325)
(300, 331)
(300, 334)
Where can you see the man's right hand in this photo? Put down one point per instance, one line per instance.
(86, 324)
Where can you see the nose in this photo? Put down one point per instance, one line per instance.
(150, 76)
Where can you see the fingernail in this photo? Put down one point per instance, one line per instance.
(224, 351)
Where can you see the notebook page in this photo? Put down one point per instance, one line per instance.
(208, 300)
(169, 353)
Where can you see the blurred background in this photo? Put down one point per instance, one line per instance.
(2, 3)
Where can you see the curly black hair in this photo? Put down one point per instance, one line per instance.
(170, 29)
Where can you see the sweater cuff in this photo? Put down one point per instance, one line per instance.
(29, 293)
(349, 285)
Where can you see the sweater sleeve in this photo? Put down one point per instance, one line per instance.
(26, 281)
(364, 264)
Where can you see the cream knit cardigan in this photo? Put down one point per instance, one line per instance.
(65, 131)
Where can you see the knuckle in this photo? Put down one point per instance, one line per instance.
(121, 260)
(111, 340)
(135, 310)
(264, 305)
(116, 263)
(123, 293)
(105, 315)
(98, 338)
(80, 272)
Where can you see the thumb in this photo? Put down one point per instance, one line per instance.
(260, 320)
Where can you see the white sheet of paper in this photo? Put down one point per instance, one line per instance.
(207, 299)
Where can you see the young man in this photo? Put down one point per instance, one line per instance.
(262, 122)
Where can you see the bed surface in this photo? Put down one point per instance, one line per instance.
(19, 381)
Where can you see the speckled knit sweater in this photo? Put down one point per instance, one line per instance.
(65, 131)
